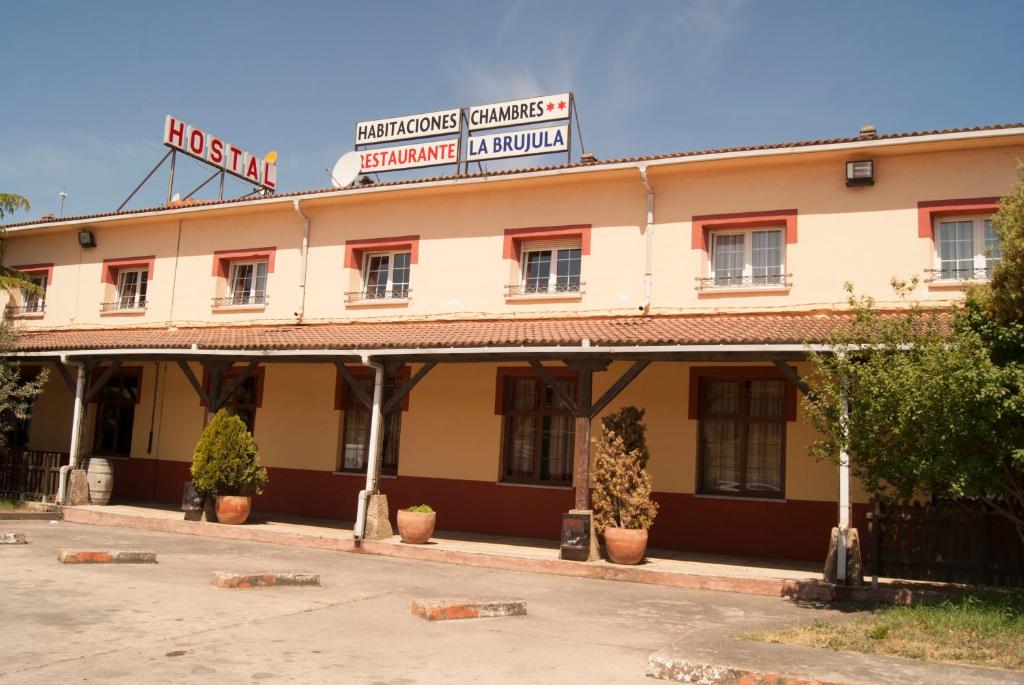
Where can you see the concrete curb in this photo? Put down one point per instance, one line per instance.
(13, 539)
(29, 516)
(802, 590)
(228, 580)
(682, 671)
(447, 609)
(99, 556)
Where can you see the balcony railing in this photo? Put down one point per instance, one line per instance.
(13, 310)
(740, 282)
(123, 306)
(378, 295)
(240, 300)
(520, 289)
(948, 274)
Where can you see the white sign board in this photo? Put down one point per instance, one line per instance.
(405, 128)
(520, 112)
(531, 141)
(212, 150)
(412, 156)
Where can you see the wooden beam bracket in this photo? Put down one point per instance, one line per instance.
(400, 394)
(617, 387)
(791, 375)
(353, 385)
(235, 384)
(555, 386)
(193, 381)
(101, 382)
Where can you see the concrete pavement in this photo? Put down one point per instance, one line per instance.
(168, 623)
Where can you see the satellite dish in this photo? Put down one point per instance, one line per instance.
(345, 170)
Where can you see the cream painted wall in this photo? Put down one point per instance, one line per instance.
(450, 430)
(863, 235)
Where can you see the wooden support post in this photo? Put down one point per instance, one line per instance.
(584, 369)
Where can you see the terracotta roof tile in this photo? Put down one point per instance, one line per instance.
(696, 329)
(512, 172)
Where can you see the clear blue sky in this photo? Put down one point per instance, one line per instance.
(86, 85)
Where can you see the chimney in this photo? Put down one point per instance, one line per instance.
(868, 131)
(588, 158)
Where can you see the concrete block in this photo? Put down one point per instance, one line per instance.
(854, 570)
(447, 609)
(13, 539)
(378, 525)
(78, 488)
(684, 671)
(99, 556)
(229, 580)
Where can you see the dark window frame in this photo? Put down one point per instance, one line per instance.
(104, 403)
(256, 378)
(350, 406)
(697, 410)
(504, 387)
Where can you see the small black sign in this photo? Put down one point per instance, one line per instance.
(191, 500)
(575, 537)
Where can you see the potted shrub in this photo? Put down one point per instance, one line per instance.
(226, 465)
(623, 508)
(416, 524)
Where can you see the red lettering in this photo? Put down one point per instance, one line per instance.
(196, 141)
(234, 159)
(252, 168)
(270, 175)
(215, 154)
(174, 132)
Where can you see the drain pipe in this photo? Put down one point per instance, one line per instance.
(373, 456)
(76, 429)
(645, 305)
(844, 489)
(300, 305)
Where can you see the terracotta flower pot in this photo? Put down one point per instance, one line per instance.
(416, 527)
(625, 545)
(233, 509)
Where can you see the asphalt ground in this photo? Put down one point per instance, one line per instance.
(167, 623)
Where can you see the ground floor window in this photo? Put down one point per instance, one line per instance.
(355, 439)
(538, 431)
(244, 401)
(115, 414)
(742, 436)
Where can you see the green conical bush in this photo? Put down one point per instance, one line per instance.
(226, 461)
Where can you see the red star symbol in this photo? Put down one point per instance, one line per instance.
(551, 106)
(561, 105)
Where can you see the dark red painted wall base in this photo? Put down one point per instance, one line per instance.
(797, 529)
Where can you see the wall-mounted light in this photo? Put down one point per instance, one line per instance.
(860, 173)
(86, 238)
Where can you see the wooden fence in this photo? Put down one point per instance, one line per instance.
(30, 475)
(954, 542)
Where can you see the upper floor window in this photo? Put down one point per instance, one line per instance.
(131, 289)
(966, 248)
(549, 267)
(752, 257)
(33, 301)
(247, 283)
(386, 275)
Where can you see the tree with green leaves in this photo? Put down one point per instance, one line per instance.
(934, 400)
(17, 393)
(12, 279)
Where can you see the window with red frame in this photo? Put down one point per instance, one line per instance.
(539, 430)
(115, 413)
(355, 441)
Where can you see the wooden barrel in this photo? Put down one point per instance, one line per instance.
(100, 474)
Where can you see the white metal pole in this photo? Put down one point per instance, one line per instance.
(844, 488)
(373, 451)
(74, 453)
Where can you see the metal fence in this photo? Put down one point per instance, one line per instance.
(30, 475)
(953, 542)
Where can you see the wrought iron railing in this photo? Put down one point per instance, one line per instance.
(37, 308)
(239, 300)
(739, 282)
(949, 274)
(123, 306)
(378, 295)
(557, 289)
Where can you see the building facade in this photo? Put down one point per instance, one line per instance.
(509, 311)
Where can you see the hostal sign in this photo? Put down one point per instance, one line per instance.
(214, 151)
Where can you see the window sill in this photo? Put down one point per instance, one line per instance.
(742, 498)
(383, 302)
(27, 315)
(238, 308)
(961, 284)
(362, 474)
(740, 290)
(538, 486)
(544, 297)
(112, 457)
(137, 311)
